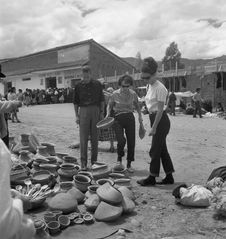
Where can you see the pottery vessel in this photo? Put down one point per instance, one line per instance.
(49, 217)
(65, 186)
(50, 148)
(64, 221)
(109, 194)
(88, 218)
(25, 155)
(54, 227)
(52, 168)
(122, 182)
(105, 180)
(42, 177)
(92, 202)
(70, 159)
(41, 152)
(82, 182)
(100, 170)
(91, 190)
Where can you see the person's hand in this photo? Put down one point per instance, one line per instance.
(77, 120)
(152, 132)
(140, 119)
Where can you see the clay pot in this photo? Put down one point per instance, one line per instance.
(88, 218)
(109, 194)
(57, 213)
(91, 190)
(64, 221)
(100, 170)
(77, 194)
(69, 168)
(50, 148)
(42, 177)
(42, 152)
(126, 192)
(49, 217)
(104, 180)
(106, 212)
(89, 174)
(79, 221)
(52, 168)
(128, 205)
(82, 182)
(92, 202)
(54, 227)
(70, 159)
(25, 155)
(122, 182)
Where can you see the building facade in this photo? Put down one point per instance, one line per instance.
(60, 67)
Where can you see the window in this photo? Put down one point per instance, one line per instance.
(59, 79)
(26, 79)
(41, 81)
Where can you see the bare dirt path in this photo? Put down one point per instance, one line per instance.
(197, 146)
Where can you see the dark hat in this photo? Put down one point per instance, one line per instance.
(1, 74)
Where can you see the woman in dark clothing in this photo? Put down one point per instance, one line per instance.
(155, 100)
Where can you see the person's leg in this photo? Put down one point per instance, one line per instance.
(95, 117)
(84, 130)
(121, 140)
(129, 124)
(199, 110)
(195, 110)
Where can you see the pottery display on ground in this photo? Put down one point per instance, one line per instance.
(67, 171)
(67, 185)
(40, 228)
(86, 173)
(52, 168)
(64, 221)
(107, 213)
(82, 182)
(88, 218)
(50, 148)
(109, 194)
(49, 217)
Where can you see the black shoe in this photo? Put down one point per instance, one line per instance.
(149, 181)
(167, 180)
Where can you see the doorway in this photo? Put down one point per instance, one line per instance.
(51, 82)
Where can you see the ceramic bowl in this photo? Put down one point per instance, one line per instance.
(49, 217)
(79, 220)
(57, 213)
(69, 168)
(70, 159)
(91, 190)
(54, 227)
(61, 155)
(88, 218)
(39, 225)
(41, 177)
(104, 180)
(89, 174)
(122, 182)
(82, 182)
(64, 221)
(52, 159)
(72, 216)
(50, 148)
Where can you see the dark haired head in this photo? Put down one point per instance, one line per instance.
(126, 79)
(149, 66)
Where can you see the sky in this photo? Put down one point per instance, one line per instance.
(125, 27)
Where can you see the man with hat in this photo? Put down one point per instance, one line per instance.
(89, 108)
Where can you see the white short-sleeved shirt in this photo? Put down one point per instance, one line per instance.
(155, 93)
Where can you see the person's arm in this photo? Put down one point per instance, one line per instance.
(109, 108)
(137, 107)
(8, 106)
(157, 118)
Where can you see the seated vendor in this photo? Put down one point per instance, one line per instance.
(13, 223)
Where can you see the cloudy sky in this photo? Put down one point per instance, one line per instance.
(123, 26)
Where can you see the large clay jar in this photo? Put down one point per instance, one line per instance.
(67, 171)
(100, 170)
(82, 182)
(50, 148)
(106, 212)
(109, 194)
(41, 152)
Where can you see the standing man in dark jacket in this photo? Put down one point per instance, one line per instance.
(172, 103)
(89, 108)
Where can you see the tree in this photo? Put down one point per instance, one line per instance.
(172, 58)
(138, 62)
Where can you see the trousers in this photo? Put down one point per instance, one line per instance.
(159, 152)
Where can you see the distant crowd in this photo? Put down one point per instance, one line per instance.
(37, 96)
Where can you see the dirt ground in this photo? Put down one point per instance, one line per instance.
(197, 146)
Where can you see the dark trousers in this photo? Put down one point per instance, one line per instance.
(125, 123)
(197, 109)
(89, 116)
(158, 151)
(172, 107)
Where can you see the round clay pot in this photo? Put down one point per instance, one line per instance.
(57, 213)
(91, 190)
(104, 180)
(54, 227)
(49, 217)
(79, 220)
(89, 174)
(50, 148)
(69, 168)
(70, 159)
(82, 182)
(64, 221)
(25, 155)
(61, 155)
(88, 218)
(42, 151)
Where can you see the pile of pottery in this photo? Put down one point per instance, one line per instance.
(54, 222)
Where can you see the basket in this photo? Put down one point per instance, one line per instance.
(105, 123)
